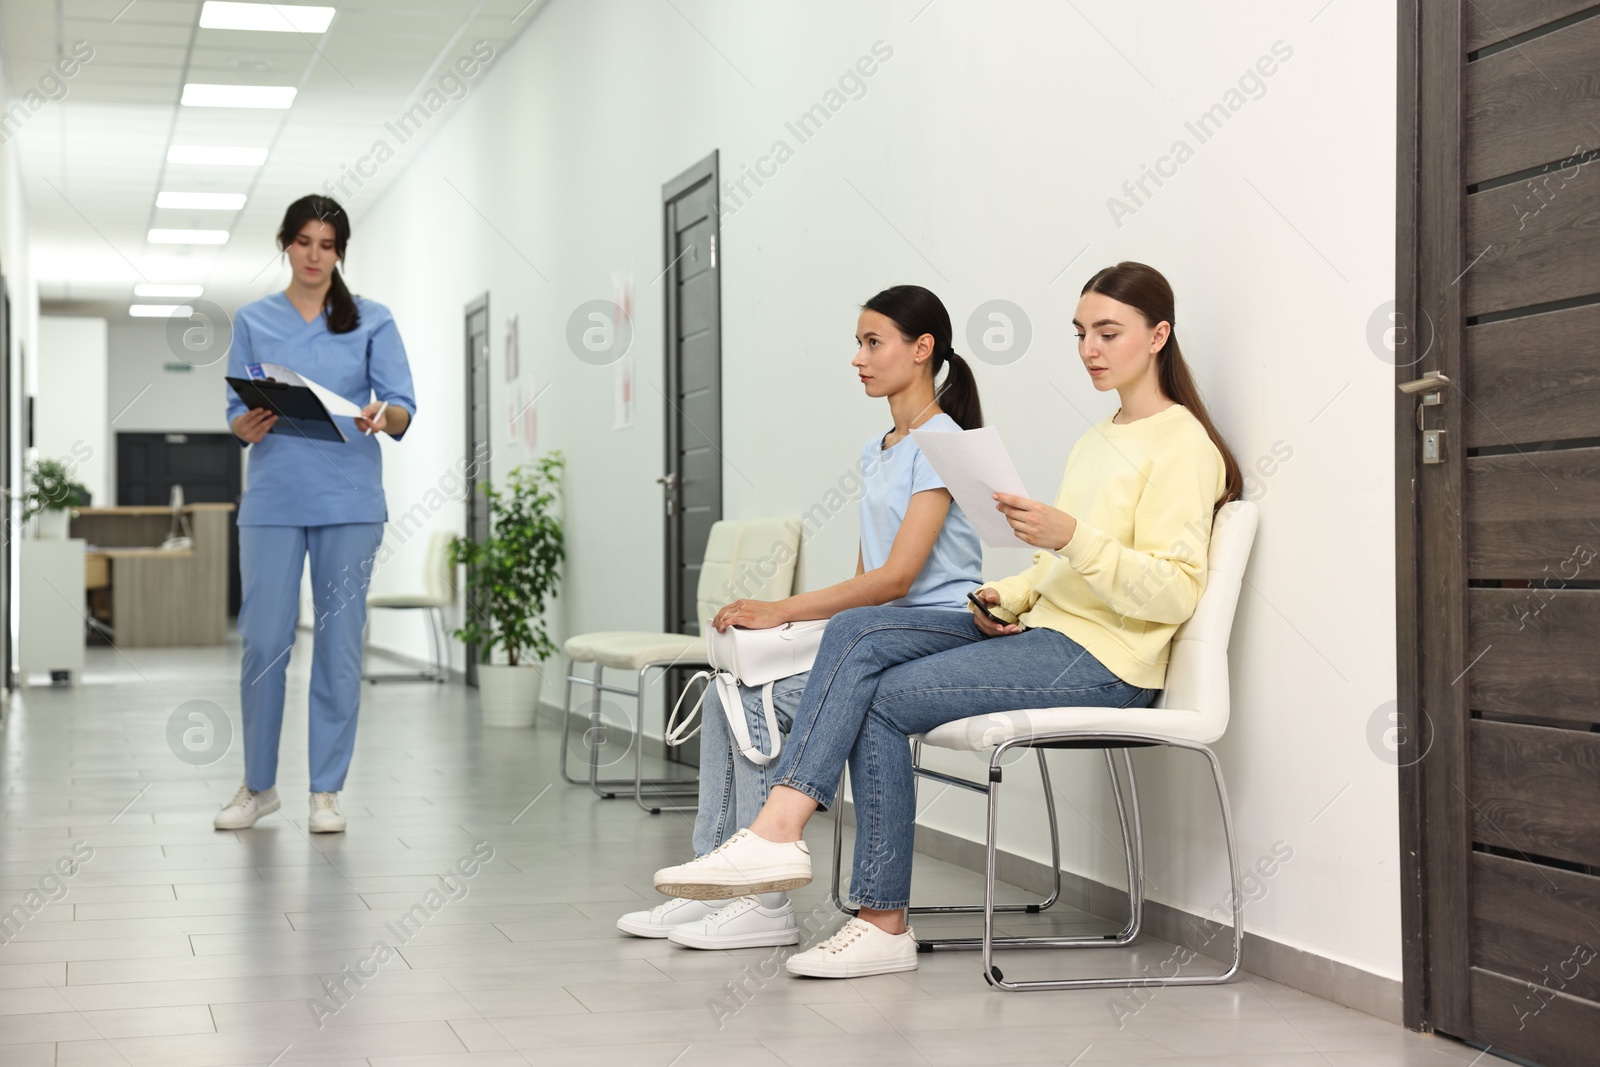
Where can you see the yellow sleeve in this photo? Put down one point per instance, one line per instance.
(1018, 592)
(1159, 578)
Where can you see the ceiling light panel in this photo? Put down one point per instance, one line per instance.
(216, 155)
(201, 201)
(165, 291)
(204, 94)
(187, 237)
(269, 18)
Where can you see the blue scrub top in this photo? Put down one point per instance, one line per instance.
(893, 476)
(293, 480)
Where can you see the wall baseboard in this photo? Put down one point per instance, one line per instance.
(1306, 971)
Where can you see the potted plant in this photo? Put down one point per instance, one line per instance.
(51, 495)
(511, 577)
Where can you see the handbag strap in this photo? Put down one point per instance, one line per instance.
(674, 734)
(733, 704)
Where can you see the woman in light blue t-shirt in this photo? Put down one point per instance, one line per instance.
(917, 550)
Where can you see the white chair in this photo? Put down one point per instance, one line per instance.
(438, 593)
(1191, 713)
(754, 560)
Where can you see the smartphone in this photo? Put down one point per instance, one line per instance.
(984, 608)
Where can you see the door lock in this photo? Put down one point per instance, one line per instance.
(669, 483)
(1429, 385)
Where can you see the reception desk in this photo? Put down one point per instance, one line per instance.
(147, 596)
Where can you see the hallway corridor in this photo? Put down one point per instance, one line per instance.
(174, 945)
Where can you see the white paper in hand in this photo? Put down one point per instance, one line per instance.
(975, 465)
(336, 404)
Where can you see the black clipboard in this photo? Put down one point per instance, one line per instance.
(300, 411)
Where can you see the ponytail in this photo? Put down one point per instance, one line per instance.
(958, 395)
(343, 315)
(916, 311)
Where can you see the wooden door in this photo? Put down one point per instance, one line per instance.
(693, 415)
(1498, 283)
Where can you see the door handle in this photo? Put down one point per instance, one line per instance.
(1432, 395)
(669, 483)
(1429, 381)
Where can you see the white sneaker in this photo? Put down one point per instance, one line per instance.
(745, 863)
(325, 815)
(742, 924)
(245, 808)
(857, 950)
(660, 920)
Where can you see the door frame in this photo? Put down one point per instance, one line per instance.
(475, 472)
(1430, 568)
(9, 531)
(707, 169)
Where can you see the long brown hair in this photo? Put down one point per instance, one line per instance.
(339, 306)
(1144, 289)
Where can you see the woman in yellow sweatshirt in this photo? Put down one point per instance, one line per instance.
(1122, 565)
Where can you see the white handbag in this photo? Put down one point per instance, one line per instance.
(753, 658)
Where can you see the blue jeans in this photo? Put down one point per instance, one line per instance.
(884, 674)
(732, 787)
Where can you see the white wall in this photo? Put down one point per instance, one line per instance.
(979, 161)
(146, 390)
(69, 388)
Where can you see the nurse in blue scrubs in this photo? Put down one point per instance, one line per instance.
(304, 496)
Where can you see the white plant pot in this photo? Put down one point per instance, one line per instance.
(54, 523)
(509, 695)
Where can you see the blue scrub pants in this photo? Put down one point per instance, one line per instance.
(270, 563)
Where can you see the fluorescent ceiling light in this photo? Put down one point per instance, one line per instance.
(187, 237)
(282, 18)
(160, 311)
(156, 290)
(213, 155)
(201, 201)
(201, 94)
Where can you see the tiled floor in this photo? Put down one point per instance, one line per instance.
(172, 944)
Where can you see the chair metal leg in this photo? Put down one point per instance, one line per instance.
(611, 788)
(593, 731)
(993, 975)
(666, 787)
(441, 657)
(1133, 851)
(1132, 844)
(836, 893)
(432, 674)
(566, 723)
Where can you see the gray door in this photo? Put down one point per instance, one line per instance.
(478, 443)
(693, 475)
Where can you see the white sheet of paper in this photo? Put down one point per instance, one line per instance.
(975, 465)
(336, 404)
